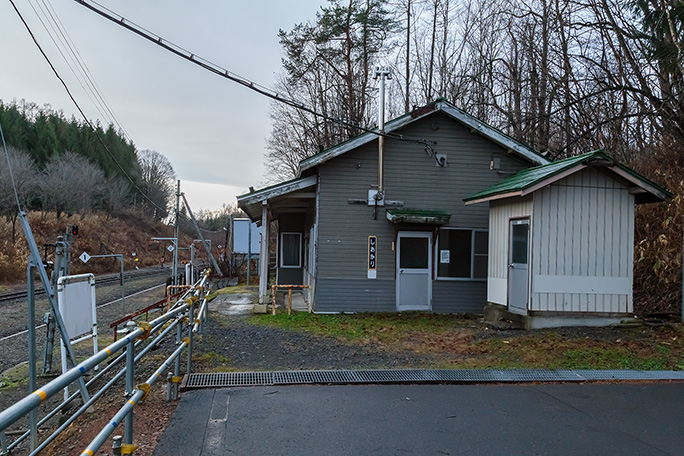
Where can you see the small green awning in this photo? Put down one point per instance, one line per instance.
(426, 216)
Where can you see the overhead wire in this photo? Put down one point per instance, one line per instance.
(223, 72)
(54, 39)
(60, 37)
(84, 66)
(80, 110)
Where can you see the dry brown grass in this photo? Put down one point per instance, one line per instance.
(99, 234)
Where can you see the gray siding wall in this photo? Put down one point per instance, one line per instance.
(411, 176)
(459, 297)
(582, 245)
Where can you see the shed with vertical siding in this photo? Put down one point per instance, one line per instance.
(561, 241)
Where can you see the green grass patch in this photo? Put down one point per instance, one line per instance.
(463, 342)
(361, 327)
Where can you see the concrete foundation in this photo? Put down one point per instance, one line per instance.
(499, 315)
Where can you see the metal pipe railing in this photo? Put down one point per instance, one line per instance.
(104, 389)
(139, 394)
(33, 400)
(100, 374)
(183, 307)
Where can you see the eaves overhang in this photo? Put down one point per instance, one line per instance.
(530, 180)
(252, 202)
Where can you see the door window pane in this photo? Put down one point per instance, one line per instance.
(519, 243)
(413, 253)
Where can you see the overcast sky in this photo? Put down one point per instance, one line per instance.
(212, 130)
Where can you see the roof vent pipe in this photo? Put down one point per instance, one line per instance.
(382, 73)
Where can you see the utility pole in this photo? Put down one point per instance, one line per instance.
(174, 273)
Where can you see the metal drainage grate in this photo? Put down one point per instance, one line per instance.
(343, 377)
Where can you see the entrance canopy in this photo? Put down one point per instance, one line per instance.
(426, 216)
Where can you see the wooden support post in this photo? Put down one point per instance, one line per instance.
(289, 295)
(273, 299)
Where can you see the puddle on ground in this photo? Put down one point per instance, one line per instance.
(240, 304)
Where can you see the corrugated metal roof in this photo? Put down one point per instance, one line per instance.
(529, 178)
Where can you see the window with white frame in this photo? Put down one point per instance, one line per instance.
(462, 254)
(290, 250)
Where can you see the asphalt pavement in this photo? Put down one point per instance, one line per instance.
(513, 419)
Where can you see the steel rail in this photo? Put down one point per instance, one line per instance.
(138, 395)
(109, 303)
(101, 373)
(101, 280)
(33, 400)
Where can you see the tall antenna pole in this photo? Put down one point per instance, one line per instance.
(382, 73)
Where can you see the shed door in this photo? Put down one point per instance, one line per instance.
(518, 266)
(414, 273)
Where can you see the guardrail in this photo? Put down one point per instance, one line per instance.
(182, 317)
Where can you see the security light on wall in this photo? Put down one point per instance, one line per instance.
(495, 164)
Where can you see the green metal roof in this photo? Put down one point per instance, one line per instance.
(406, 215)
(529, 178)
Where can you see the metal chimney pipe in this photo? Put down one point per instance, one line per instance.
(381, 73)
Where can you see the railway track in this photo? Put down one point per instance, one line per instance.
(99, 280)
(141, 290)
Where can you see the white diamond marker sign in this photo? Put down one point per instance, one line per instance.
(84, 257)
(170, 248)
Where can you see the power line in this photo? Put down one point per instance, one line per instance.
(47, 16)
(220, 71)
(78, 107)
(82, 63)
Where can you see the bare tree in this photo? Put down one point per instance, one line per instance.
(70, 183)
(26, 181)
(115, 195)
(157, 176)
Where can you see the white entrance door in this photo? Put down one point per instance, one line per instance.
(518, 256)
(414, 271)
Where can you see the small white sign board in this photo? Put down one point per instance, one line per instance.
(170, 248)
(77, 306)
(241, 228)
(84, 257)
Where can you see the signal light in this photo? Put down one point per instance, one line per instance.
(74, 229)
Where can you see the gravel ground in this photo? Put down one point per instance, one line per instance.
(230, 342)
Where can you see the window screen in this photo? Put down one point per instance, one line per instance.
(290, 250)
(462, 254)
